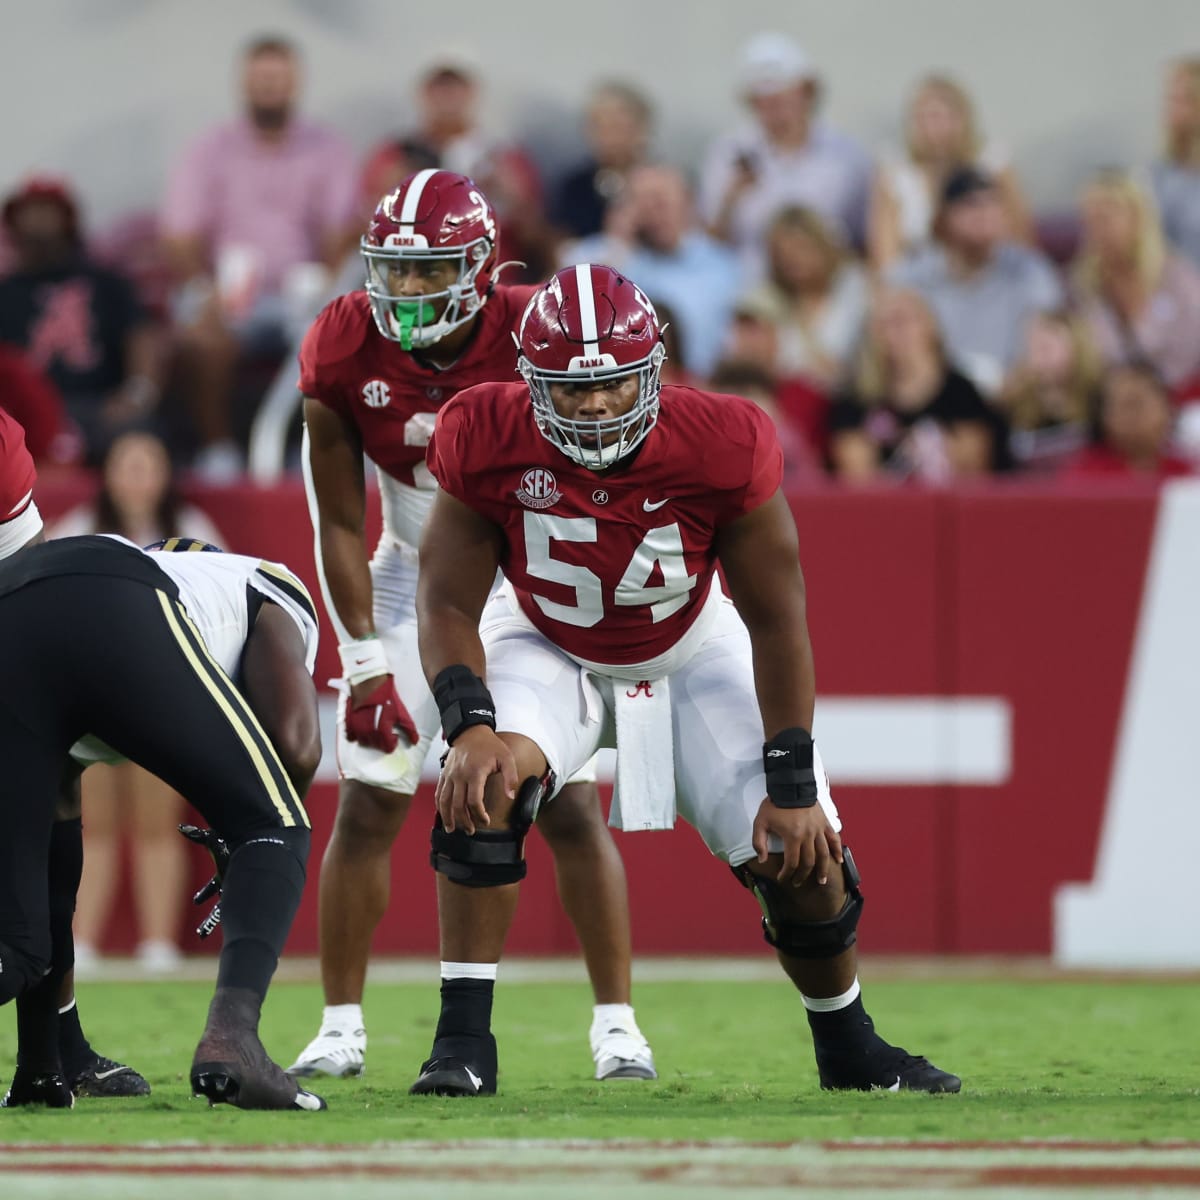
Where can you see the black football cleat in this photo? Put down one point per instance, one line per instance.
(222, 1083)
(235, 1069)
(888, 1069)
(47, 1091)
(104, 1078)
(452, 1077)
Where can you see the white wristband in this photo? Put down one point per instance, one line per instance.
(362, 659)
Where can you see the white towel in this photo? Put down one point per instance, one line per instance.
(644, 795)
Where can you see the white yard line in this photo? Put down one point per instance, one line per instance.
(594, 1169)
(698, 969)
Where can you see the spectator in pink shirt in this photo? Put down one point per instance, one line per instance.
(258, 211)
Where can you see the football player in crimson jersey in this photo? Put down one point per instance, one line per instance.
(20, 521)
(375, 368)
(608, 502)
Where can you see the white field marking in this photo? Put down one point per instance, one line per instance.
(749, 968)
(1152, 791)
(864, 740)
(594, 1169)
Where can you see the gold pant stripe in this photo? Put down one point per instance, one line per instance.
(237, 712)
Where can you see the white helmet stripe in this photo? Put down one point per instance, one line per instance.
(587, 310)
(412, 198)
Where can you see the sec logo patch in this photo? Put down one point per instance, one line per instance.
(539, 488)
(376, 393)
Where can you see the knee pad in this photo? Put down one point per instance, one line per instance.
(490, 858)
(531, 795)
(806, 939)
(486, 858)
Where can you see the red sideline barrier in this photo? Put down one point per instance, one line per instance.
(1018, 592)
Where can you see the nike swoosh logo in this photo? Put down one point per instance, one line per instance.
(477, 1083)
(105, 1074)
(890, 1087)
(655, 507)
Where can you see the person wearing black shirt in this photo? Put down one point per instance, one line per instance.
(618, 131)
(81, 324)
(909, 413)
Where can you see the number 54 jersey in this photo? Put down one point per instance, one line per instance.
(613, 567)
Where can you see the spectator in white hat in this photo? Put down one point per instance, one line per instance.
(782, 156)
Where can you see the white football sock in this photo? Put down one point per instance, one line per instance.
(613, 1016)
(457, 970)
(343, 1017)
(832, 1003)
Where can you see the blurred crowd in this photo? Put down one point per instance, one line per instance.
(900, 310)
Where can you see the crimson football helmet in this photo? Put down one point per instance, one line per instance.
(431, 215)
(591, 323)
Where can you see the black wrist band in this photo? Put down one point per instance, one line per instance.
(788, 766)
(463, 700)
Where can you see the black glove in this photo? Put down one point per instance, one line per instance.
(215, 845)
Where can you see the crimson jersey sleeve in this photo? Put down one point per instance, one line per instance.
(333, 337)
(726, 443)
(449, 445)
(17, 473)
(763, 464)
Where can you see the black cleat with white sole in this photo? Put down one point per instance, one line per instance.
(103, 1077)
(886, 1068)
(231, 1066)
(222, 1083)
(451, 1077)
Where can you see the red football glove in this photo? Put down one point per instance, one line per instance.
(374, 719)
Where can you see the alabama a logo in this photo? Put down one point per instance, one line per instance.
(539, 488)
(376, 393)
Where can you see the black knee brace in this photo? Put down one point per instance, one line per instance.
(806, 939)
(490, 858)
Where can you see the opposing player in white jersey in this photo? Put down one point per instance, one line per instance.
(374, 369)
(191, 623)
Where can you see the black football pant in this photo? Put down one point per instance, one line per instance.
(121, 660)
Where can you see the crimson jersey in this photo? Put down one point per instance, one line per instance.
(17, 474)
(389, 393)
(612, 568)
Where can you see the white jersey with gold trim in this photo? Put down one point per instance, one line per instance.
(221, 594)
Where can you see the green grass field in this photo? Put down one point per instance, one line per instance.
(1039, 1059)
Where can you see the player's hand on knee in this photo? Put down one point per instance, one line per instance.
(810, 844)
(477, 754)
(375, 715)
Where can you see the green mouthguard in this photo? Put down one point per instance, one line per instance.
(407, 314)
